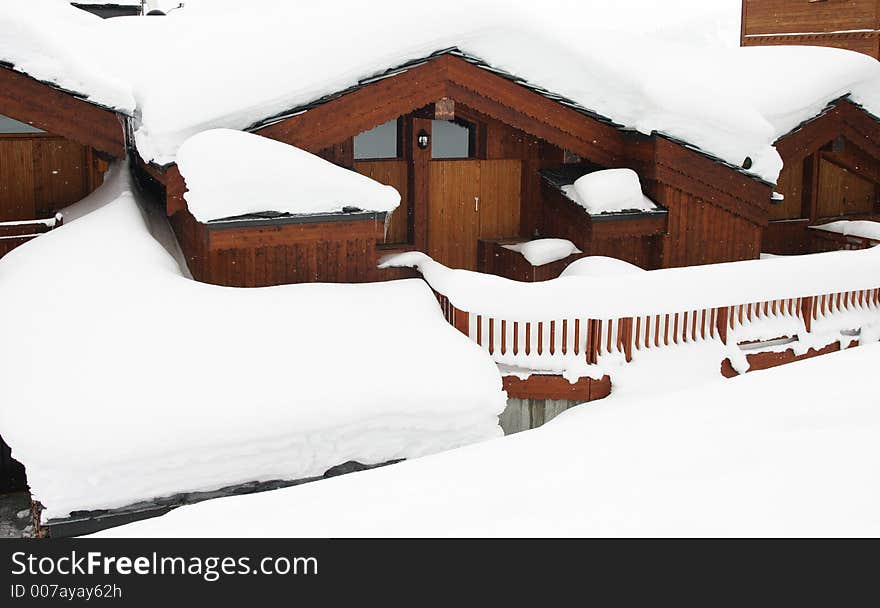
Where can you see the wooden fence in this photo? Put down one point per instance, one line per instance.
(507, 340)
(13, 234)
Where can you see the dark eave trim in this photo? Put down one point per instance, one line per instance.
(252, 221)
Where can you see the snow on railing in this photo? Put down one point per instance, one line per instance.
(845, 235)
(536, 337)
(15, 233)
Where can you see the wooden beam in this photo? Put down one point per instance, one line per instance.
(46, 107)
(418, 187)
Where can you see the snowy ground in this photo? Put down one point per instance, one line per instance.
(787, 452)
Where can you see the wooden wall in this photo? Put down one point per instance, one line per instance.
(766, 22)
(637, 240)
(260, 256)
(843, 193)
(392, 172)
(702, 233)
(40, 174)
(791, 185)
(803, 16)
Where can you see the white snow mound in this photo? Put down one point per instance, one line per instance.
(544, 251)
(129, 382)
(231, 173)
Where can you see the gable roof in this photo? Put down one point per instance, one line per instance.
(232, 67)
(841, 118)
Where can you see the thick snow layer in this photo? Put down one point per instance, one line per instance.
(609, 191)
(52, 41)
(774, 453)
(230, 64)
(600, 266)
(232, 173)
(668, 290)
(859, 228)
(544, 251)
(129, 381)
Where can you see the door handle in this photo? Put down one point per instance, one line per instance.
(476, 203)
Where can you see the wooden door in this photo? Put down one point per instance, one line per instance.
(500, 198)
(453, 212)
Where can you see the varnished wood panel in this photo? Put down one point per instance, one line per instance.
(40, 174)
(790, 185)
(701, 233)
(28, 100)
(391, 173)
(17, 180)
(338, 252)
(62, 174)
(843, 193)
(786, 237)
(802, 16)
(500, 198)
(453, 217)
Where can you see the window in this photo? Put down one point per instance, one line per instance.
(450, 140)
(8, 125)
(381, 142)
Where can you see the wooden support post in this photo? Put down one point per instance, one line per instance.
(420, 159)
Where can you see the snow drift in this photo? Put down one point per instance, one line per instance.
(128, 381)
(786, 452)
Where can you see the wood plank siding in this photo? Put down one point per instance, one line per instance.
(260, 256)
(846, 24)
(831, 171)
(394, 173)
(41, 173)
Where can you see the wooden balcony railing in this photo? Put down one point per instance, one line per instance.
(508, 340)
(822, 241)
(14, 234)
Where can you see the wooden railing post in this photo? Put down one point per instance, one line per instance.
(626, 333)
(462, 321)
(722, 323)
(807, 312)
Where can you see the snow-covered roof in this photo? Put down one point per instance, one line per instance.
(232, 173)
(274, 383)
(219, 64)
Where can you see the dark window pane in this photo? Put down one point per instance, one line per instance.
(450, 140)
(380, 142)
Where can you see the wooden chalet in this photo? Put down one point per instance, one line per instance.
(846, 24)
(495, 189)
(54, 150)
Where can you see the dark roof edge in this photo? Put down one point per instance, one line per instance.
(455, 51)
(249, 221)
(828, 108)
